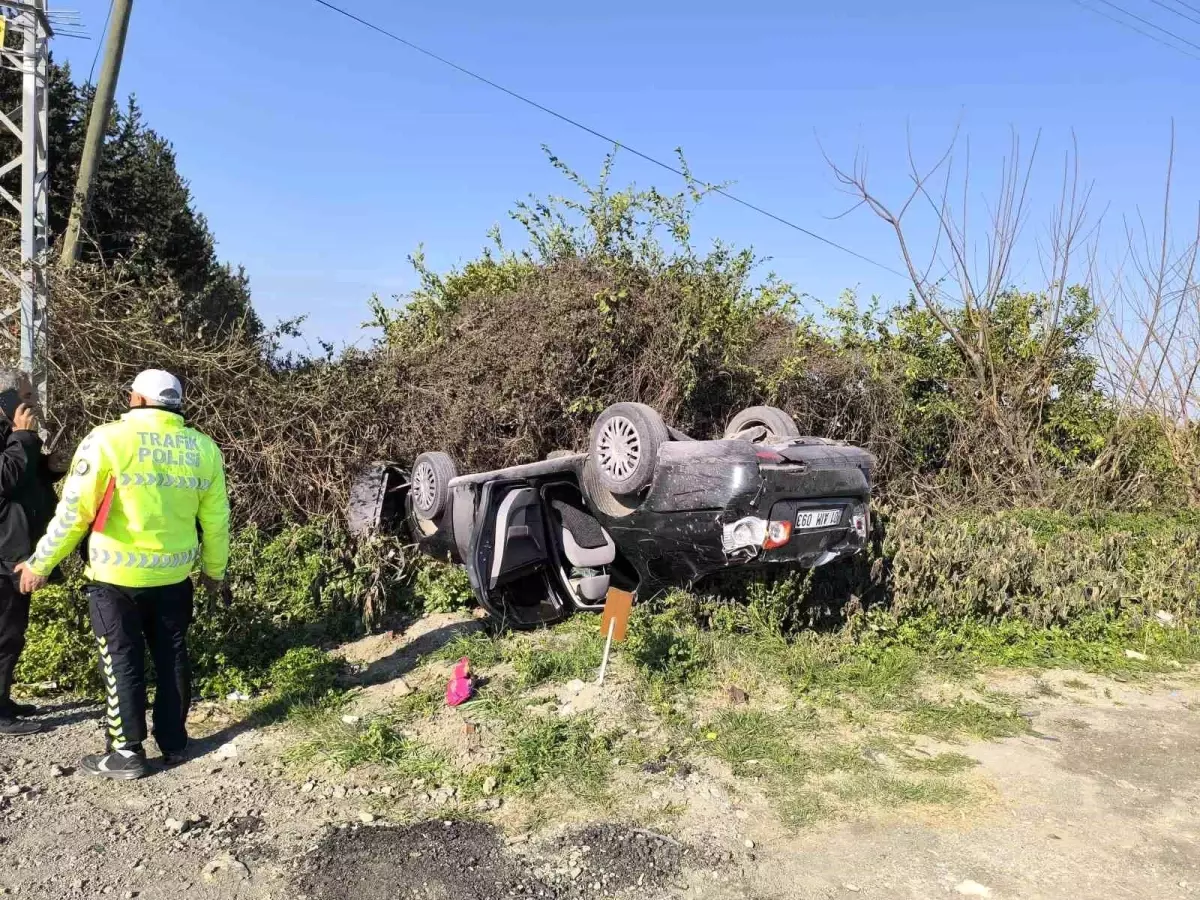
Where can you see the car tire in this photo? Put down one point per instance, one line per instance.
(365, 509)
(777, 424)
(430, 491)
(624, 447)
(600, 498)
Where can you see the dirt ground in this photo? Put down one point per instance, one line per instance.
(1101, 802)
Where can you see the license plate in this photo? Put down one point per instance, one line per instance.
(817, 518)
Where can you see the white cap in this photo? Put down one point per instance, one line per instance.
(159, 388)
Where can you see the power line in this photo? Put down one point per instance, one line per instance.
(100, 43)
(1140, 31)
(598, 134)
(1150, 24)
(1186, 5)
(1172, 9)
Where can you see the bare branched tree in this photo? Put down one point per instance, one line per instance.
(966, 270)
(1149, 337)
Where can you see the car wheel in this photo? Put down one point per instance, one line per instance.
(761, 424)
(601, 498)
(431, 475)
(624, 447)
(366, 508)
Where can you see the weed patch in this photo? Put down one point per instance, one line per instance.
(962, 719)
(942, 764)
(376, 742)
(560, 658)
(543, 753)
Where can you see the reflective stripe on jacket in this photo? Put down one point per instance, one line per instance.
(166, 479)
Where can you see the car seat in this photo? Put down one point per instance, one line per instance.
(588, 550)
(520, 536)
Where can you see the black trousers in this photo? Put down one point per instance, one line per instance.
(14, 620)
(127, 621)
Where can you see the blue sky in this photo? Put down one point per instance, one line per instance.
(324, 154)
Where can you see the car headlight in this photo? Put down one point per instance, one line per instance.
(748, 532)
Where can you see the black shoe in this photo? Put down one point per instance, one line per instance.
(17, 710)
(121, 765)
(171, 760)
(17, 728)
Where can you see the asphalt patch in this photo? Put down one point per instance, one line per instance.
(472, 861)
(444, 860)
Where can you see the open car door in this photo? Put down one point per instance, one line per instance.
(511, 557)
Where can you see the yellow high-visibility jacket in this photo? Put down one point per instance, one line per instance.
(165, 479)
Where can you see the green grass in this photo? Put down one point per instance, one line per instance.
(374, 742)
(546, 752)
(422, 704)
(559, 659)
(881, 789)
(749, 741)
(963, 719)
(485, 650)
(942, 764)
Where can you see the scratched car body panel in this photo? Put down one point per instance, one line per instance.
(542, 540)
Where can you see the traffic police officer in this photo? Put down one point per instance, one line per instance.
(140, 486)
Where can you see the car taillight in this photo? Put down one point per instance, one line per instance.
(860, 526)
(778, 534)
(770, 456)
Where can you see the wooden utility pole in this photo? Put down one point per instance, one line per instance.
(106, 89)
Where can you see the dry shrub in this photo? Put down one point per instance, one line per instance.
(507, 377)
(267, 418)
(1045, 568)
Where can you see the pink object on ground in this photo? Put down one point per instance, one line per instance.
(461, 686)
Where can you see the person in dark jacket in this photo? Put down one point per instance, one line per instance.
(27, 502)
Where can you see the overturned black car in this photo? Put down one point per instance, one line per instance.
(644, 509)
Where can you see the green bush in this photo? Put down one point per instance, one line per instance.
(59, 646)
(438, 587)
(667, 647)
(1044, 568)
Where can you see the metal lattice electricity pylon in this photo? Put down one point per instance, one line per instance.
(32, 61)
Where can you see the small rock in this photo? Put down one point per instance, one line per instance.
(339, 792)
(365, 817)
(129, 895)
(237, 697)
(401, 688)
(517, 839)
(1134, 654)
(737, 696)
(14, 790)
(575, 686)
(307, 787)
(749, 844)
(1165, 617)
(973, 889)
(853, 888)
(178, 826)
(227, 751)
(350, 720)
(226, 862)
(57, 771)
(489, 785)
